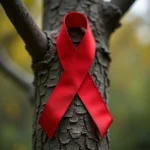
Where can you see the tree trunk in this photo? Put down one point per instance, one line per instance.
(76, 130)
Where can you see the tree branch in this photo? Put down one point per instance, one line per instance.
(124, 5)
(33, 37)
(22, 78)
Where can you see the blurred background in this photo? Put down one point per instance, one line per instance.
(130, 82)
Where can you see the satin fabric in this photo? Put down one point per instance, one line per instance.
(75, 79)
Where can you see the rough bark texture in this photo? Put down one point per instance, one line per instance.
(76, 130)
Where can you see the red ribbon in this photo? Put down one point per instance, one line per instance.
(75, 79)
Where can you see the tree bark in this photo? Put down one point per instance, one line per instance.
(76, 130)
(33, 37)
(124, 5)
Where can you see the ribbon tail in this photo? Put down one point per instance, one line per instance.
(59, 101)
(95, 105)
(56, 105)
(46, 124)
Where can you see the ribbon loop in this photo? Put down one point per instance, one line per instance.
(75, 79)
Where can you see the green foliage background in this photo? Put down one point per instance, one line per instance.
(129, 92)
